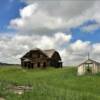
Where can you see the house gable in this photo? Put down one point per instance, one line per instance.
(56, 56)
(39, 58)
(33, 54)
(89, 61)
(89, 66)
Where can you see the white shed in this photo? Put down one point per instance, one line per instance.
(89, 66)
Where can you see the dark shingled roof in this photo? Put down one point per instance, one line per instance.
(49, 53)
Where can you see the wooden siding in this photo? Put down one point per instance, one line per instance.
(38, 59)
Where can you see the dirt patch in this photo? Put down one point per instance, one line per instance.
(19, 89)
(1, 98)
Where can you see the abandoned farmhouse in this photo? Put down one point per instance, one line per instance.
(89, 67)
(37, 58)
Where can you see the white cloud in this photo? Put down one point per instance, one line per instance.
(61, 38)
(47, 17)
(90, 28)
(33, 19)
(63, 8)
(43, 18)
(80, 46)
(12, 48)
(28, 11)
(96, 48)
(76, 52)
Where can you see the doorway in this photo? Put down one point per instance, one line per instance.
(38, 64)
(32, 65)
(44, 65)
(88, 67)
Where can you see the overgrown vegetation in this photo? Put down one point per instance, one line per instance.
(49, 84)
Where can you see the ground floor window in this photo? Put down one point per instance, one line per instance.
(38, 64)
(44, 64)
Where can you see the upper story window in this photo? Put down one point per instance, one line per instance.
(38, 55)
(34, 56)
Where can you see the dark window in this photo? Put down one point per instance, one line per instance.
(34, 56)
(41, 56)
(44, 64)
(38, 64)
(38, 55)
(25, 64)
(32, 65)
(29, 65)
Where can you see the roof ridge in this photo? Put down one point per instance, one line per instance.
(90, 60)
(49, 49)
(49, 52)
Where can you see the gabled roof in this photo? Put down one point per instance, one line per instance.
(27, 60)
(49, 52)
(90, 60)
(94, 61)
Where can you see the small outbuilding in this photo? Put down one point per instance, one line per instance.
(89, 67)
(37, 58)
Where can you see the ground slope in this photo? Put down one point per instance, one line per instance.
(49, 84)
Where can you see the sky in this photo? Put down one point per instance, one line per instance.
(72, 27)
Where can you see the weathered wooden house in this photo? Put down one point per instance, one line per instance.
(37, 58)
(88, 67)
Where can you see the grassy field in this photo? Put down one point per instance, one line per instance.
(49, 84)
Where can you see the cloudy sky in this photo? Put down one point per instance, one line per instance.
(70, 26)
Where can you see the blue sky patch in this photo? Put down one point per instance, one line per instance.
(9, 10)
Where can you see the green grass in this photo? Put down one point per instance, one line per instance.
(50, 84)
